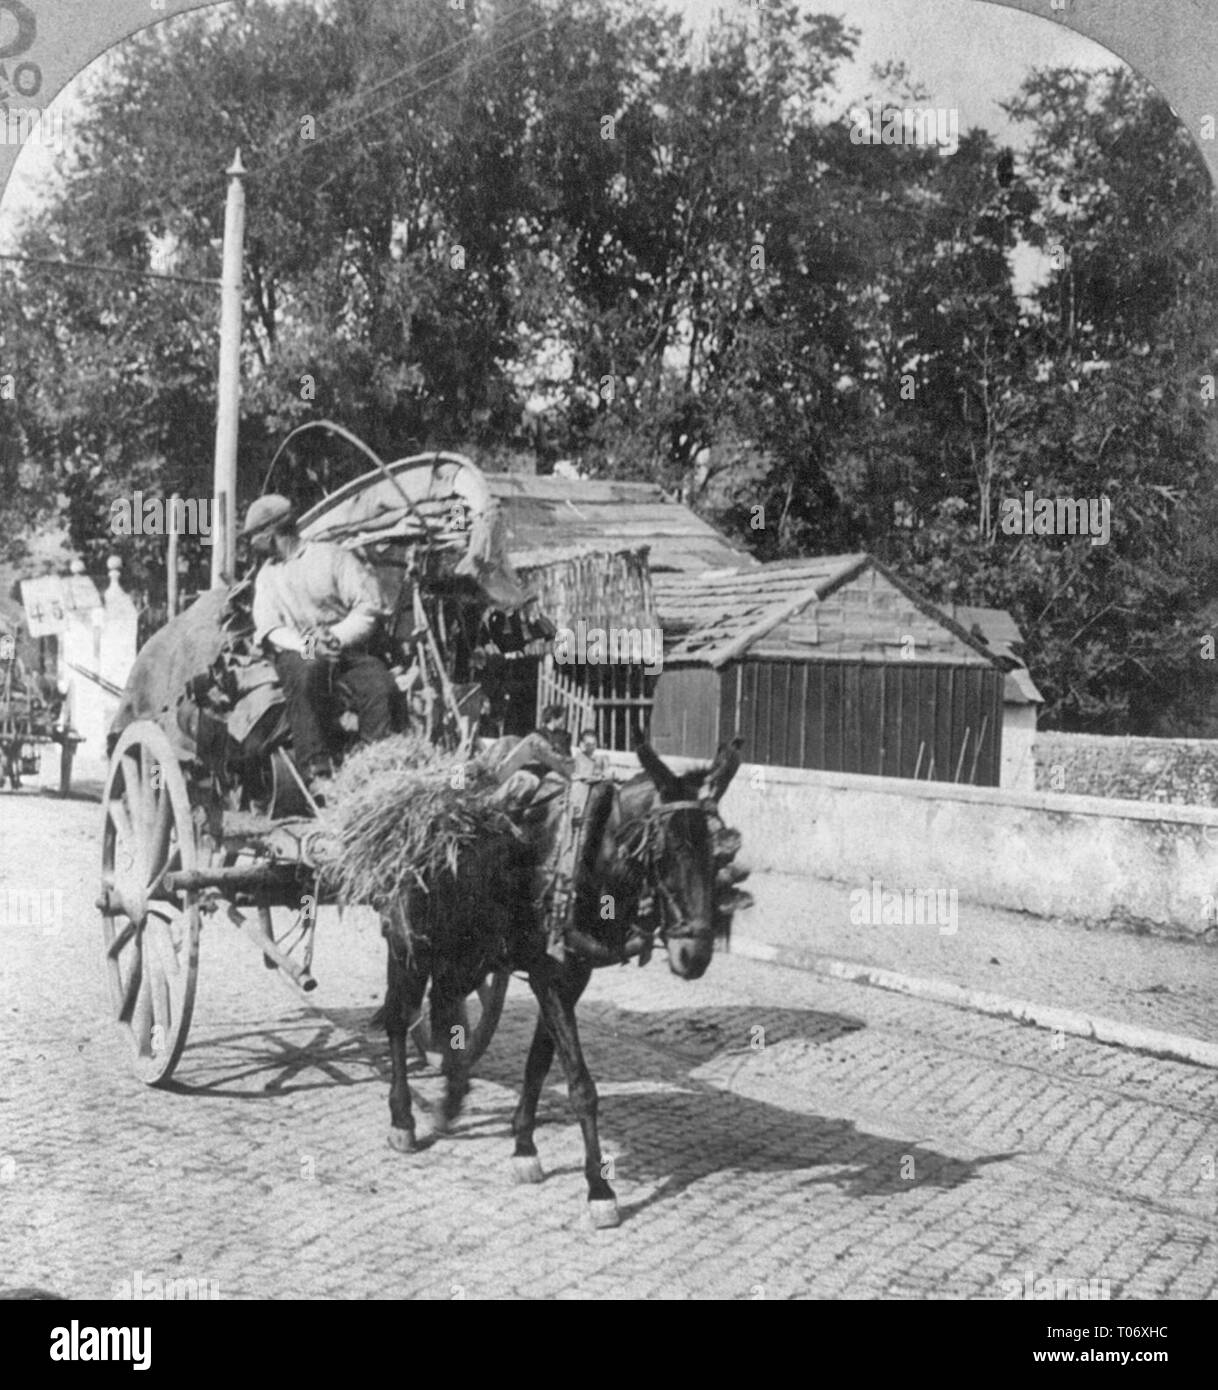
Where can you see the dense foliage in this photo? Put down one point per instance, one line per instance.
(562, 229)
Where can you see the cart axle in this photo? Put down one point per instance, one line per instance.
(227, 876)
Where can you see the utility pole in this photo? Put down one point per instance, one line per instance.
(228, 393)
(171, 558)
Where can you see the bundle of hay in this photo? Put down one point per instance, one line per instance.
(398, 815)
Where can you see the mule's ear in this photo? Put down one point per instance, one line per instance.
(724, 768)
(668, 784)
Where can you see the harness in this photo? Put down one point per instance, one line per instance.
(648, 853)
(643, 852)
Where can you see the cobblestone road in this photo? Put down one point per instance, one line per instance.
(774, 1135)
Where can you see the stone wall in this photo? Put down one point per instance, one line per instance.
(1179, 771)
(1116, 865)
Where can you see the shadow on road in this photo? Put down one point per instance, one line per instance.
(676, 1129)
(696, 1127)
(257, 1064)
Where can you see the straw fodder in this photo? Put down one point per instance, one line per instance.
(400, 815)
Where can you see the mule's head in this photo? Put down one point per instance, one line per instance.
(681, 863)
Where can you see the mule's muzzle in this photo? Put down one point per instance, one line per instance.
(689, 957)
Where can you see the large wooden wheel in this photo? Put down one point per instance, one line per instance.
(150, 934)
(480, 1015)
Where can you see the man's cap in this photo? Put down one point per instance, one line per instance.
(268, 511)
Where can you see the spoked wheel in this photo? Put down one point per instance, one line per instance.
(479, 1017)
(150, 934)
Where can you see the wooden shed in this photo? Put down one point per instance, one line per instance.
(1021, 699)
(587, 550)
(830, 663)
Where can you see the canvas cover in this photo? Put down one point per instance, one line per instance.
(439, 498)
(181, 651)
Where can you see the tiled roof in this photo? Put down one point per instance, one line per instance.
(1020, 689)
(716, 609)
(830, 607)
(995, 626)
(543, 514)
(998, 630)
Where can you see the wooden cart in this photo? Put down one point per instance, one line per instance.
(181, 847)
(170, 863)
(27, 724)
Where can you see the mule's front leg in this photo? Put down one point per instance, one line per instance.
(559, 1015)
(526, 1166)
(406, 982)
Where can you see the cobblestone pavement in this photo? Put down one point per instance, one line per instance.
(774, 1135)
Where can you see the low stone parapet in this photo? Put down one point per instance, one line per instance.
(1131, 865)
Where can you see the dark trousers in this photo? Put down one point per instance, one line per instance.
(313, 693)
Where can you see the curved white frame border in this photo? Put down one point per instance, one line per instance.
(44, 44)
(1172, 43)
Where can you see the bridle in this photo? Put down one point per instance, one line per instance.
(646, 855)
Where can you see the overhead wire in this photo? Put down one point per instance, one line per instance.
(494, 51)
(148, 222)
(108, 269)
(143, 223)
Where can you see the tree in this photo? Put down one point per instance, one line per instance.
(560, 228)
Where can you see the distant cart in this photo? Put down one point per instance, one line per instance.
(28, 722)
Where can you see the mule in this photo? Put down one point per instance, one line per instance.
(645, 873)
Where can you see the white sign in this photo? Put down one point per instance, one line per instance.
(50, 601)
(46, 606)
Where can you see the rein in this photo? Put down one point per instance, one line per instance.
(644, 855)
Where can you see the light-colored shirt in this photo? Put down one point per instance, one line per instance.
(320, 586)
(590, 767)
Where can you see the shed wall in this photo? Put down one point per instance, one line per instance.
(685, 711)
(889, 719)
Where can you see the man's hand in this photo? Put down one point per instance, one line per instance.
(321, 644)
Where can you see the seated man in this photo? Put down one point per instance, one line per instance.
(590, 766)
(317, 608)
(544, 752)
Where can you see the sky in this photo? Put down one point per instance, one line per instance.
(969, 55)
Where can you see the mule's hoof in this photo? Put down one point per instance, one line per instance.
(403, 1141)
(604, 1215)
(526, 1169)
